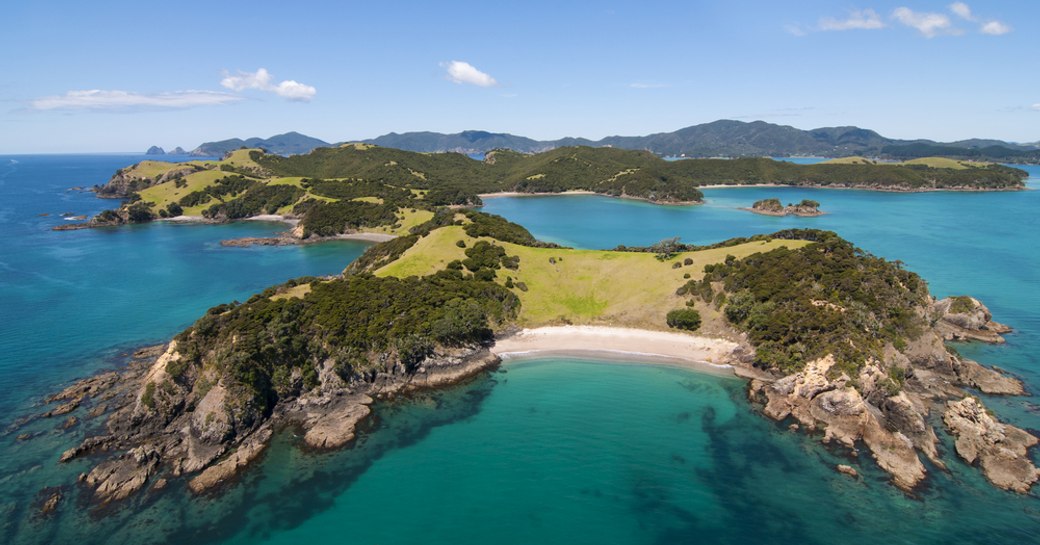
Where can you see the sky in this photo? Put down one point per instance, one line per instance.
(122, 76)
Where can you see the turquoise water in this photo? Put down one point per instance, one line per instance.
(550, 451)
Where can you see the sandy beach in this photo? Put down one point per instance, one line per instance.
(702, 353)
(521, 194)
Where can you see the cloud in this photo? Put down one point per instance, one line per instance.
(995, 28)
(464, 72)
(262, 80)
(866, 19)
(642, 85)
(928, 24)
(991, 27)
(1036, 106)
(960, 9)
(97, 99)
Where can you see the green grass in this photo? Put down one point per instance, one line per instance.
(406, 219)
(241, 159)
(168, 192)
(854, 160)
(943, 162)
(580, 286)
(298, 291)
(150, 169)
(934, 162)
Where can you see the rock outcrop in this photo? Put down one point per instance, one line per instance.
(1001, 450)
(835, 407)
(892, 419)
(967, 319)
(206, 432)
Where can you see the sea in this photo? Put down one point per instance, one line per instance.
(550, 450)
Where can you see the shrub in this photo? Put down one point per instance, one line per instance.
(684, 318)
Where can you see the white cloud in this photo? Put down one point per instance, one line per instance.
(995, 28)
(1036, 106)
(464, 72)
(866, 19)
(928, 24)
(97, 99)
(642, 85)
(262, 80)
(960, 9)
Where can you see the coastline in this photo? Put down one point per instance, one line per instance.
(500, 194)
(868, 188)
(620, 343)
(782, 214)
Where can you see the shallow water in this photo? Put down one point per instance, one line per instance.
(553, 450)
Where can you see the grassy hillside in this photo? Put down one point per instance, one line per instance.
(579, 286)
(361, 187)
(933, 162)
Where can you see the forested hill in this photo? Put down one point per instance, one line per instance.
(363, 187)
(618, 172)
(723, 138)
(289, 143)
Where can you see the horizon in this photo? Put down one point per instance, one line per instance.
(914, 69)
(189, 149)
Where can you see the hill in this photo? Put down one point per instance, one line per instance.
(361, 187)
(730, 138)
(290, 143)
(723, 138)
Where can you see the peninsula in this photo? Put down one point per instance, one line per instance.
(836, 339)
(360, 188)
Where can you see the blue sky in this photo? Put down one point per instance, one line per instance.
(113, 76)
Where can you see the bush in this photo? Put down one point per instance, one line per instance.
(684, 318)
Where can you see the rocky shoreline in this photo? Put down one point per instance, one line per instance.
(894, 426)
(154, 436)
(140, 446)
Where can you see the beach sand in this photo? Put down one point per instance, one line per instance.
(618, 343)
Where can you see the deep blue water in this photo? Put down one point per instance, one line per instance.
(550, 451)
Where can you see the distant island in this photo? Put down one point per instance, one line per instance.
(723, 138)
(840, 341)
(359, 188)
(156, 150)
(773, 207)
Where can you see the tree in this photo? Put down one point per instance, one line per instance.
(684, 318)
(666, 249)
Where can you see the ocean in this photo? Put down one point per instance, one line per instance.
(550, 450)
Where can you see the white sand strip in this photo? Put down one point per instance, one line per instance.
(619, 343)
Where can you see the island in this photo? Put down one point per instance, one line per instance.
(361, 188)
(773, 207)
(830, 338)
